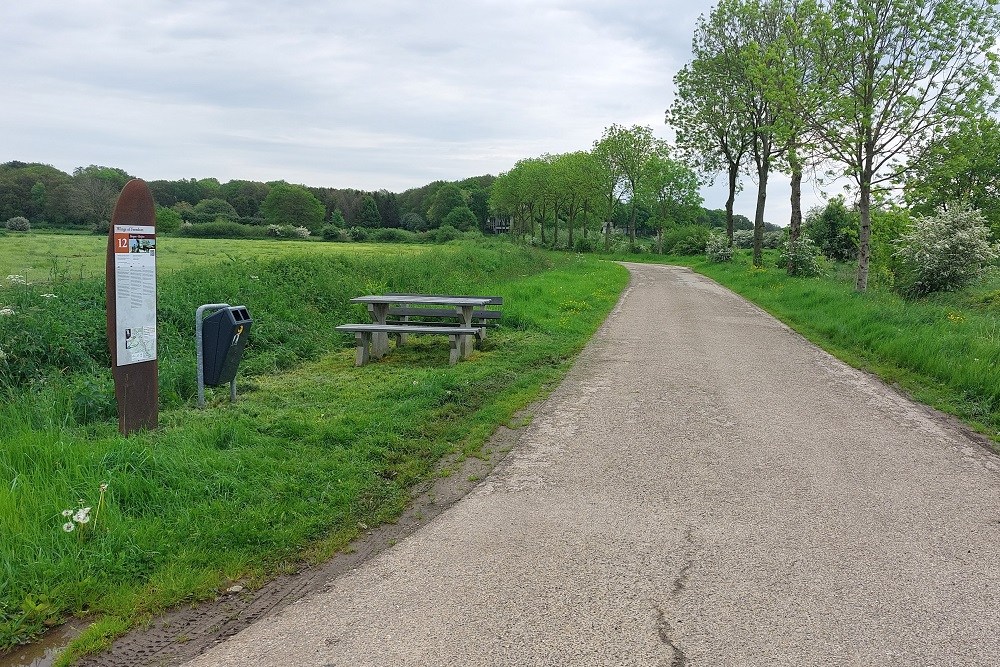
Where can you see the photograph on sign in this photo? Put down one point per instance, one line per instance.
(135, 293)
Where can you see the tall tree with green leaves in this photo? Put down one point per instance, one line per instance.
(369, 216)
(961, 165)
(669, 187)
(710, 132)
(896, 74)
(624, 152)
(293, 205)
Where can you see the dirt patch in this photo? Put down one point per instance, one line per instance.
(182, 634)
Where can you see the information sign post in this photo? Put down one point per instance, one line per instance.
(131, 305)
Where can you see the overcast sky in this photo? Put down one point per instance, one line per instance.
(364, 94)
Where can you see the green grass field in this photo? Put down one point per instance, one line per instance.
(42, 258)
(314, 447)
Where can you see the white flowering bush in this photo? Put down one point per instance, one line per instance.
(943, 252)
(743, 238)
(803, 255)
(18, 224)
(718, 249)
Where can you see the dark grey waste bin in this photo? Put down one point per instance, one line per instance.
(224, 335)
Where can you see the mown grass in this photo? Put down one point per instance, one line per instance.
(313, 449)
(44, 257)
(943, 350)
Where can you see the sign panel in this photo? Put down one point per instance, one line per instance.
(130, 293)
(135, 293)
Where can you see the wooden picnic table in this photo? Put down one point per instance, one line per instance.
(462, 306)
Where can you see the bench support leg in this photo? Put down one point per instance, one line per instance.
(456, 348)
(363, 340)
(401, 338)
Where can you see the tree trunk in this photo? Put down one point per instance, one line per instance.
(865, 233)
(733, 174)
(571, 221)
(758, 218)
(541, 223)
(586, 217)
(795, 224)
(659, 240)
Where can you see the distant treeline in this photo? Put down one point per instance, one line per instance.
(49, 197)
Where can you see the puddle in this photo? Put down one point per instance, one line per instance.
(42, 653)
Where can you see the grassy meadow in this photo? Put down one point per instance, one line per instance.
(313, 449)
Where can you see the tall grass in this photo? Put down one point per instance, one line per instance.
(313, 449)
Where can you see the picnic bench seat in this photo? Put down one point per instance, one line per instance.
(363, 336)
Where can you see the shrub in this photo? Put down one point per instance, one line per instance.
(332, 233)
(805, 257)
(18, 224)
(834, 229)
(718, 249)
(774, 240)
(102, 227)
(944, 252)
(358, 234)
(686, 240)
(743, 238)
(447, 233)
(220, 230)
(584, 244)
(392, 235)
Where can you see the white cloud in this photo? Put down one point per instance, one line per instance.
(369, 95)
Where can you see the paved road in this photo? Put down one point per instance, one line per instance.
(705, 488)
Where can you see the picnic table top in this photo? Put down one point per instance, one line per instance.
(424, 299)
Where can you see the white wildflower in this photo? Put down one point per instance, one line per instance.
(67, 513)
(16, 279)
(6, 310)
(68, 526)
(49, 296)
(104, 487)
(3, 355)
(82, 515)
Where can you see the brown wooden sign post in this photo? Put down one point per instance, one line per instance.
(131, 304)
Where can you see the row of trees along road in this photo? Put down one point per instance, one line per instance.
(625, 164)
(855, 88)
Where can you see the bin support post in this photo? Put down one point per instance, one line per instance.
(201, 353)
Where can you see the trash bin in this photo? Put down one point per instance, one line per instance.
(224, 335)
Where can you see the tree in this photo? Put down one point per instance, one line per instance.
(745, 33)
(94, 191)
(369, 216)
(710, 131)
(167, 220)
(668, 187)
(293, 205)
(834, 230)
(578, 181)
(461, 218)
(894, 74)
(388, 208)
(210, 210)
(245, 197)
(961, 165)
(449, 196)
(624, 152)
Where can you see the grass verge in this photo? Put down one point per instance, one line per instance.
(314, 449)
